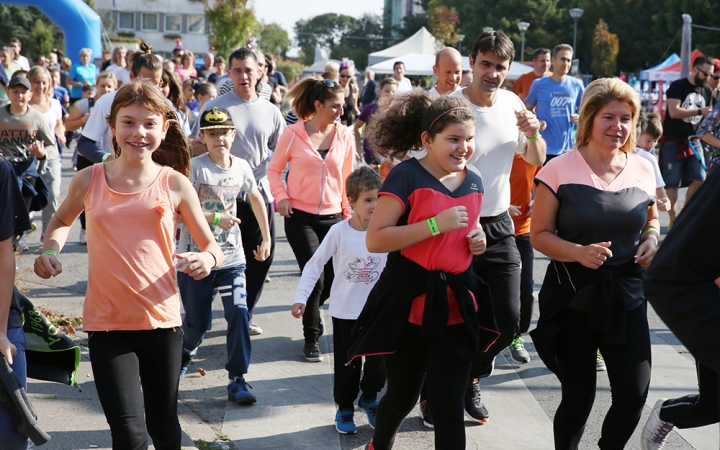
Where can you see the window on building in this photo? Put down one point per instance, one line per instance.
(150, 22)
(126, 21)
(196, 24)
(173, 22)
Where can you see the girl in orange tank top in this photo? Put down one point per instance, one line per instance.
(132, 308)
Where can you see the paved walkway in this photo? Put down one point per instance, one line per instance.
(295, 407)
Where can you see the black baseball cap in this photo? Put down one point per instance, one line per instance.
(216, 118)
(22, 81)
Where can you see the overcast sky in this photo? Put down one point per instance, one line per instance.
(287, 12)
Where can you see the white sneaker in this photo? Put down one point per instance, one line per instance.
(22, 244)
(255, 329)
(83, 237)
(656, 431)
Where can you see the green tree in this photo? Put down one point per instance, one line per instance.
(41, 40)
(232, 23)
(443, 24)
(358, 43)
(605, 51)
(325, 30)
(274, 39)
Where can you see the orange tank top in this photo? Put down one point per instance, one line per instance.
(132, 284)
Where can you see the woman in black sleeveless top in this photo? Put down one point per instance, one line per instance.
(350, 109)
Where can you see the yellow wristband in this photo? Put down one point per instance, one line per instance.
(434, 230)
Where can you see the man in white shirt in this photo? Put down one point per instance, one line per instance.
(448, 71)
(404, 84)
(504, 128)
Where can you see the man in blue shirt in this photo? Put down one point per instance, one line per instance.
(556, 100)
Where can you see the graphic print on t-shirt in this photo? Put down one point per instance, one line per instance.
(218, 199)
(363, 270)
(693, 101)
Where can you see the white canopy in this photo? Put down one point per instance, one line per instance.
(421, 42)
(419, 64)
(318, 68)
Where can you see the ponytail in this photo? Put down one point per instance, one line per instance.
(305, 92)
(144, 59)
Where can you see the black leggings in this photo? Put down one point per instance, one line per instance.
(628, 368)
(305, 232)
(132, 368)
(696, 410)
(82, 162)
(527, 300)
(255, 271)
(430, 359)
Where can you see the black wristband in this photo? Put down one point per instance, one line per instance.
(699, 112)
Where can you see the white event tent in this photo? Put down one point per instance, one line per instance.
(420, 64)
(421, 42)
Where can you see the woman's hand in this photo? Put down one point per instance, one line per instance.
(477, 241)
(663, 204)
(196, 264)
(452, 219)
(646, 251)
(594, 255)
(263, 251)
(284, 208)
(297, 310)
(47, 266)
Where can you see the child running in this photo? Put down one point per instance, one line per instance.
(219, 177)
(132, 307)
(356, 270)
(428, 313)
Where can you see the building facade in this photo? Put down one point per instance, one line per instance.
(397, 10)
(157, 22)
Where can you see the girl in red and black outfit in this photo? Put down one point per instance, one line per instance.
(428, 313)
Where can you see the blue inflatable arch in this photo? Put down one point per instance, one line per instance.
(80, 24)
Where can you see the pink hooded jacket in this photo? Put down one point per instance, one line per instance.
(314, 185)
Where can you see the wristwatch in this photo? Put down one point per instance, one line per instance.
(699, 112)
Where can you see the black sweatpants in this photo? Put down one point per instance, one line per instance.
(430, 359)
(697, 410)
(255, 271)
(136, 368)
(305, 232)
(499, 267)
(347, 383)
(628, 368)
(527, 300)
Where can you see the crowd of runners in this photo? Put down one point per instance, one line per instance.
(414, 213)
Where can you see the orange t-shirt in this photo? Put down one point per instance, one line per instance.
(521, 181)
(521, 87)
(132, 283)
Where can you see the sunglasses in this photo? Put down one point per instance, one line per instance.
(707, 74)
(716, 77)
(325, 83)
(345, 76)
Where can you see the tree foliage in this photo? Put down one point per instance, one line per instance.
(274, 39)
(41, 40)
(443, 24)
(232, 24)
(20, 22)
(605, 50)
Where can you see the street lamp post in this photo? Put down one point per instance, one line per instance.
(523, 26)
(486, 29)
(460, 40)
(576, 14)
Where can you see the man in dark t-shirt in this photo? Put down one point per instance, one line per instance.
(14, 220)
(689, 100)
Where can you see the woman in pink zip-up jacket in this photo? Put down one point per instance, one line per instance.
(321, 152)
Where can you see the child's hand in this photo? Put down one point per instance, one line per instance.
(227, 220)
(196, 264)
(47, 266)
(514, 211)
(297, 310)
(477, 241)
(663, 204)
(452, 219)
(263, 251)
(37, 149)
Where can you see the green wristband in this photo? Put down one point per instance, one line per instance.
(433, 226)
(105, 157)
(650, 229)
(216, 220)
(51, 252)
(533, 139)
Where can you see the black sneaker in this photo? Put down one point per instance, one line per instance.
(311, 352)
(474, 408)
(425, 414)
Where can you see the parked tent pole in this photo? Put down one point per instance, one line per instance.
(686, 46)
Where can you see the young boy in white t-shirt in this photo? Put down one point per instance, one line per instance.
(356, 271)
(218, 178)
(650, 131)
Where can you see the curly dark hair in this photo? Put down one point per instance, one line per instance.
(398, 126)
